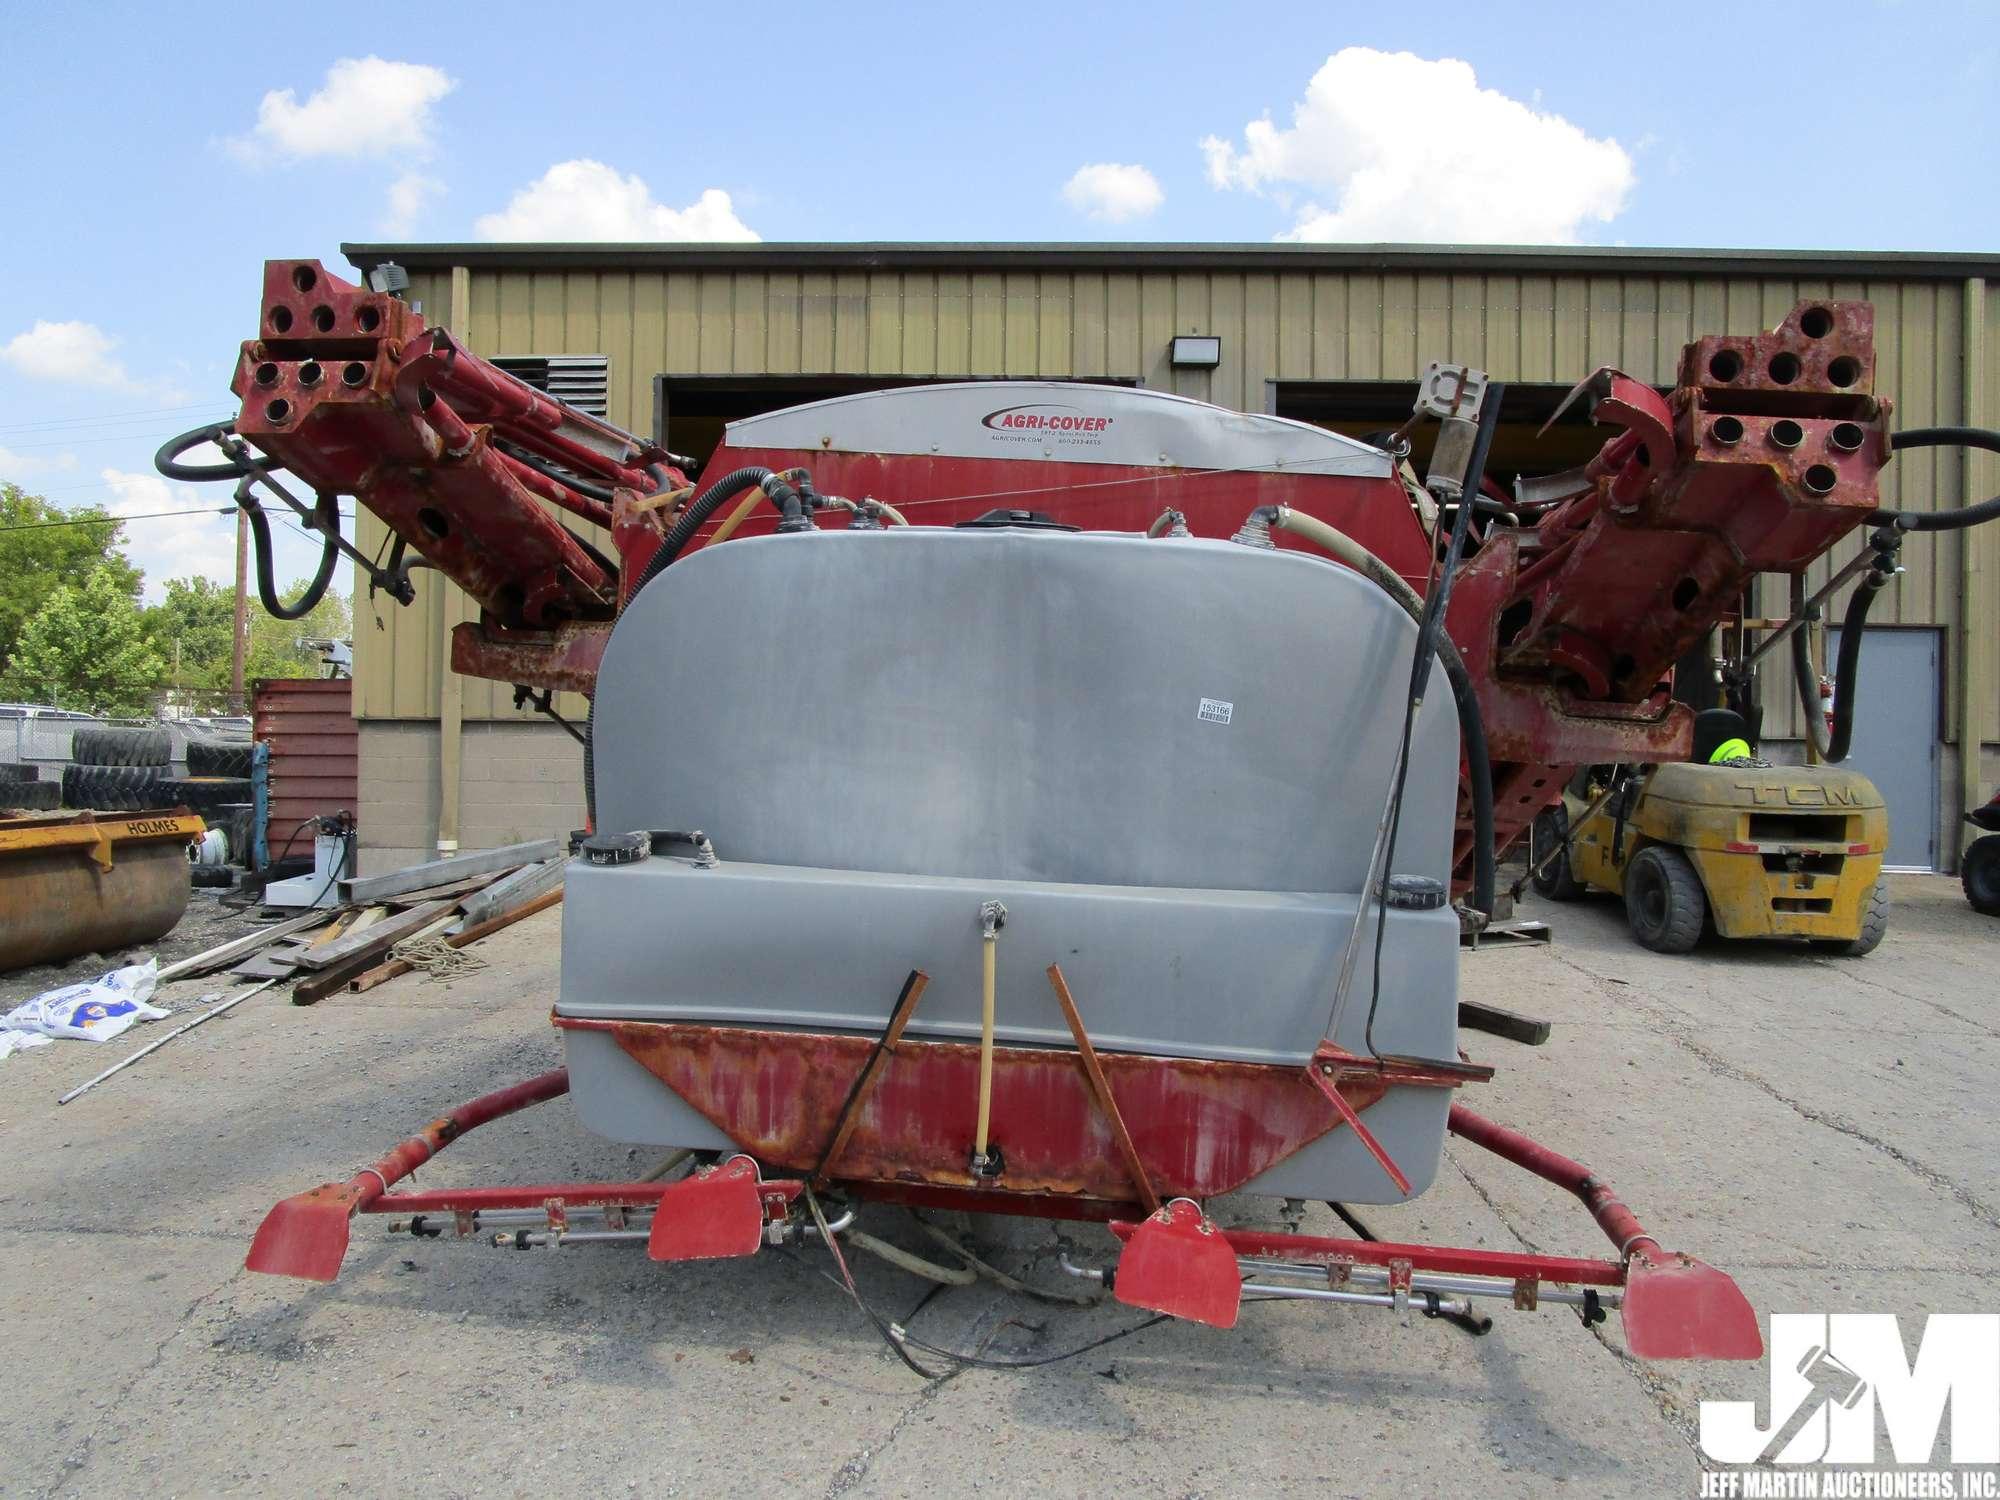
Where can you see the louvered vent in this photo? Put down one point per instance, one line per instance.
(583, 380)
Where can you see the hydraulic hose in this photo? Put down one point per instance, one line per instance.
(1471, 724)
(1833, 748)
(586, 488)
(1942, 520)
(267, 583)
(777, 486)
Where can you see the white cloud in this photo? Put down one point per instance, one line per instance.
(409, 195)
(171, 546)
(368, 107)
(20, 466)
(1114, 191)
(77, 353)
(1407, 148)
(586, 200)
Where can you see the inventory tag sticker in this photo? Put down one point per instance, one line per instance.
(1215, 711)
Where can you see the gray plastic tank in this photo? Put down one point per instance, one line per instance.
(1166, 757)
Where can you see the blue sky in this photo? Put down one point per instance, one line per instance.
(153, 156)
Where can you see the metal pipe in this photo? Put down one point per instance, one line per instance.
(158, 1042)
(1085, 1273)
(1620, 1225)
(1433, 1281)
(1801, 608)
(1457, 1307)
(991, 915)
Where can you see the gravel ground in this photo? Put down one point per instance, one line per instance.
(1820, 1128)
(206, 923)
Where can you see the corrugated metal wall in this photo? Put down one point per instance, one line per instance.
(1274, 325)
(315, 760)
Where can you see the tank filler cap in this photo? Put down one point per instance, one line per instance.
(617, 848)
(1414, 893)
(1026, 520)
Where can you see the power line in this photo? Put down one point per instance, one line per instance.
(98, 441)
(108, 416)
(151, 515)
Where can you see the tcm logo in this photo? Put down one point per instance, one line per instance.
(1043, 419)
(1801, 796)
(1836, 1378)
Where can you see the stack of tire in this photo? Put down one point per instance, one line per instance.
(120, 769)
(22, 790)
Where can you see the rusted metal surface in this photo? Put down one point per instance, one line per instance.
(356, 394)
(306, 1235)
(1766, 454)
(864, 1081)
(78, 883)
(1106, 1099)
(315, 766)
(1200, 1127)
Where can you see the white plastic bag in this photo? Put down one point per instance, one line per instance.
(94, 1011)
(12, 1041)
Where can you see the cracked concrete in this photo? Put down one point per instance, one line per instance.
(1822, 1129)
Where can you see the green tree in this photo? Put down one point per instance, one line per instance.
(87, 647)
(43, 548)
(192, 625)
(274, 644)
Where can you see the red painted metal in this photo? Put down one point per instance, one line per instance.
(1177, 1262)
(1617, 1221)
(471, 1200)
(306, 1235)
(714, 1213)
(1322, 1077)
(308, 723)
(1199, 1127)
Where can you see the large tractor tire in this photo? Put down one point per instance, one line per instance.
(205, 795)
(1874, 926)
(12, 771)
(117, 745)
(1664, 901)
(111, 788)
(30, 796)
(213, 757)
(1554, 879)
(1979, 873)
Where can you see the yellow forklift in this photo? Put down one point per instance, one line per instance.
(1723, 841)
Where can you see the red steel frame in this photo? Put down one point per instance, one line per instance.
(1673, 1306)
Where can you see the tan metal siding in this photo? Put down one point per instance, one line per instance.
(1283, 324)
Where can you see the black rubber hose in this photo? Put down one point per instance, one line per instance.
(698, 511)
(267, 583)
(1473, 727)
(1942, 520)
(590, 765)
(600, 493)
(1846, 673)
(167, 460)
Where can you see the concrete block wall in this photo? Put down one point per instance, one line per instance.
(517, 782)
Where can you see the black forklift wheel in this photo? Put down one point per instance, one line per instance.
(1553, 880)
(1979, 873)
(1874, 926)
(1664, 901)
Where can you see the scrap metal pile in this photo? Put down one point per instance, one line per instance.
(1086, 847)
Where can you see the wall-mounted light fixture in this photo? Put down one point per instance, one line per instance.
(1195, 351)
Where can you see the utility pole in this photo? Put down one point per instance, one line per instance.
(239, 642)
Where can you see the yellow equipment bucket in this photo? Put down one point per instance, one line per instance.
(82, 882)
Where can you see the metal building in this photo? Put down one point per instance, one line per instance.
(679, 340)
